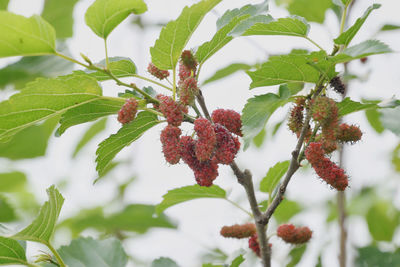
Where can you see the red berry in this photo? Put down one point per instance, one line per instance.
(156, 72)
(294, 235)
(254, 245)
(173, 111)
(184, 72)
(206, 139)
(128, 111)
(188, 60)
(188, 90)
(239, 230)
(170, 144)
(227, 145)
(324, 110)
(228, 118)
(349, 133)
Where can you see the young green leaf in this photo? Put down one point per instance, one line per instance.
(273, 176)
(258, 110)
(3, 4)
(286, 210)
(291, 26)
(292, 68)
(183, 194)
(119, 66)
(295, 255)
(7, 213)
(104, 15)
(237, 261)
(43, 99)
(174, 36)
(389, 27)
(88, 112)
(124, 137)
(42, 228)
(11, 252)
(373, 117)
(382, 219)
(311, 10)
(164, 262)
(364, 49)
(94, 130)
(347, 106)
(12, 181)
(60, 16)
(21, 36)
(226, 71)
(346, 37)
(88, 252)
(390, 120)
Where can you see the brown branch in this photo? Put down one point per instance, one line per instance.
(202, 104)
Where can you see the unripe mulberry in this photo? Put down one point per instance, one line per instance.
(206, 139)
(156, 72)
(294, 235)
(128, 111)
(188, 90)
(338, 85)
(228, 118)
(184, 72)
(349, 133)
(324, 110)
(239, 230)
(325, 168)
(227, 145)
(170, 144)
(254, 245)
(188, 60)
(296, 117)
(173, 111)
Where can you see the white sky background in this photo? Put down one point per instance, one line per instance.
(200, 221)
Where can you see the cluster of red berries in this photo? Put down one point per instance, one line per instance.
(156, 72)
(128, 111)
(294, 235)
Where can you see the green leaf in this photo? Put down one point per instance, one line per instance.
(42, 228)
(183, 194)
(104, 15)
(347, 106)
(12, 181)
(373, 117)
(273, 176)
(292, 68)
(164, 262)
(291, 26)
(93, 130)
(89, 112)
(371, 256)
(382, 219)
(390, 120)
(30, 68)
(258, 110)
(248, 23)
(311, 10)
(119, 66)
(60, 16)
(3, 4)
(31, 142)
(346, 37)
(286, 210)
(237, 261)
(43, 99)
(225, 25)
(89, 252)
(11, 252)
(259, 139)
(226, 71)
(389, 27)
(396, 158)
(124, 137)
(7, 213)
(295, 255)
(174, 36)
(21, 36)
(364, 49)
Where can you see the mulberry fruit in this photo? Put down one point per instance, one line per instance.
(188, 60)
(296, 117)
(170, 144)
(173, 111)
(349, 133)
(184, 72)
(156, 72)
(239, 230)
(188, 90)
(128, 111)
(254, 245)
(324, 110)
(206, 139)
(227, 145)
(294, 235)
(228, 118)
(338, 85)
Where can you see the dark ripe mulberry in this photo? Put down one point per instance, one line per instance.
(349, 133)
(188, 90)
(206, 139)
(239, 230)
(338, 85)
(324, 110)
(294, 235)
(228, 118)
(170, 144)
(172, 110)
(227, 145)
(254, 245)
(156, 72)
(128, 111)
(325, 168)
(188, 60)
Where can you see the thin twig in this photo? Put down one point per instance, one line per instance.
(202, 104)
